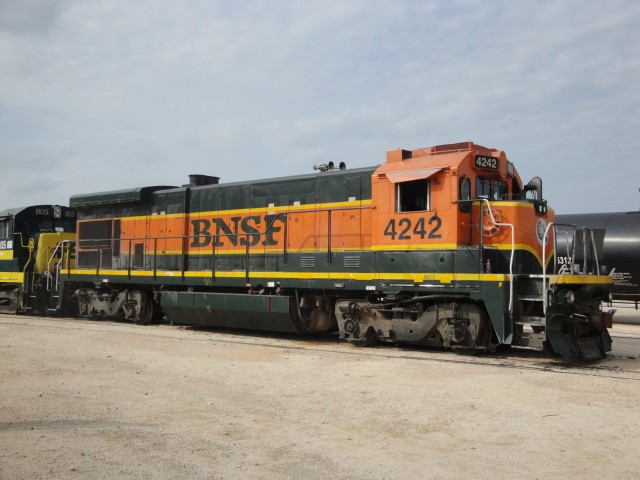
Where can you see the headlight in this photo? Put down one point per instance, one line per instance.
(570, 298)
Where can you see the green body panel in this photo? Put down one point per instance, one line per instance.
(12, 266)
(256, 312)
(331, 186)
(495, 297)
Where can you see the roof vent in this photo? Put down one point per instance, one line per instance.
(323, 167)
(200, 180)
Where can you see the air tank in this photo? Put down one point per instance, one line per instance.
(618, 236)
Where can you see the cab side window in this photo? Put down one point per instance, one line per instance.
(464, 193)
(5, 229)
(413, 196)
(491, 189)
(483, 187)
(500, 190)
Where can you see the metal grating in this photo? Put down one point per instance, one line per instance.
(352, 261)
(308, 262)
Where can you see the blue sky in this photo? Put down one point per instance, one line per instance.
(112, 94)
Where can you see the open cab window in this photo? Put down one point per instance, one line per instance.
(413, 196)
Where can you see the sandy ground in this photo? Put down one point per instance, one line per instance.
(81, 399)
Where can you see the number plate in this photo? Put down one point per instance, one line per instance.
(483, 161)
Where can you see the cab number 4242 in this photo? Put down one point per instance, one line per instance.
(405, 229)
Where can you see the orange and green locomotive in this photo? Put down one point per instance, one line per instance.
(442, 246)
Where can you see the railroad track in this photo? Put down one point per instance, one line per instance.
(623, 365)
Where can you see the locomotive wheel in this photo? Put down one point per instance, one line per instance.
(146, 311)
(9, 300)
(475, 346)
(370, 338)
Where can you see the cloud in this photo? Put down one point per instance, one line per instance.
(115, 94)
(30, 17)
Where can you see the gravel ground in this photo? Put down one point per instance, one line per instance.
(102, 400)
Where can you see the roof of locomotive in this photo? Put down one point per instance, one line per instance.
(12, 212)
(439, 156)
(115, 196)
(293, 178)
(138, 194)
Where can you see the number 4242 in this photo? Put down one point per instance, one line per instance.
(404, 229)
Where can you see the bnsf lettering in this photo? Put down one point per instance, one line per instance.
(239, 231)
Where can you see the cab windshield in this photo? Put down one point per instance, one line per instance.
(491, 189)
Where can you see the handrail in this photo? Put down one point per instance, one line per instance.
(93, 247)
(47, 272)
(586, 232)
(284, 216)
(556, 233)
(59, 246)
(544, 265)
(513, 247)
(594, 252)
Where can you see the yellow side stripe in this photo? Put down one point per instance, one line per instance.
(208, 251)
(580, 279)
(443, 278)
(265, 210)
(12, 277)
(6, 254)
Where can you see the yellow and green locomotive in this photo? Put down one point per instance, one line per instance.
(32, 244)
(442, 246)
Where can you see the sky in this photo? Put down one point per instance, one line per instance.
(100, 95)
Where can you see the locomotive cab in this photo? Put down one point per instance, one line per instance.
(33, 242)
(449, 182)
(469, 248)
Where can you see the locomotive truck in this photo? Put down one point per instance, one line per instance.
(442, 246)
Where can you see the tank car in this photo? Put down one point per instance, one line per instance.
(441, 246)
(32, 241)
(618, 237)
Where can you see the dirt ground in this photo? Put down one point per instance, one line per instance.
(102, 400)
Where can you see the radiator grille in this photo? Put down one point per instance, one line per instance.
(308, 262)
(352, 261)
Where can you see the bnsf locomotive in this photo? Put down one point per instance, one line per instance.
(443, 246)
